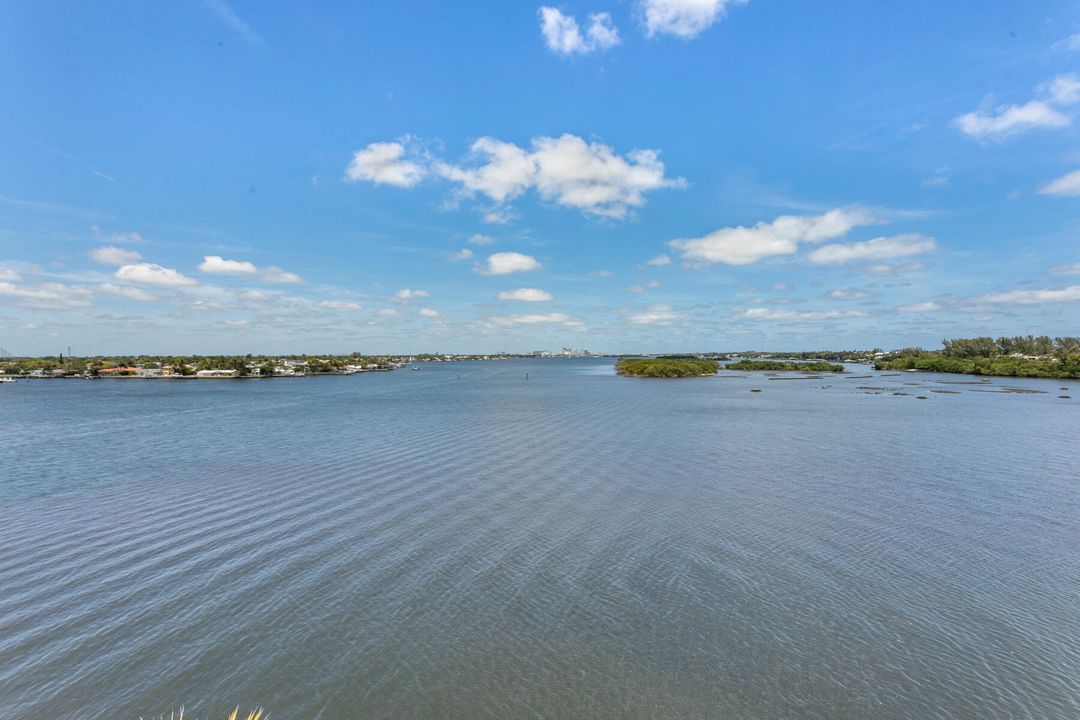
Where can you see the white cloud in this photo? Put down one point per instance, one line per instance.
(848, 294)
(538, 319)
(659, 261)
(462, 254)
(1062, 90)
(340, 305)
(48, 296)
(112, 255)
(383, 163)
(387, 312)
(481, 240)
(128, 237)
(1070, 269)
(655, 315)
(126, 292)
(498, 215)
(408, 294)
(8, 275)
(230, 18)
(881, 248)
(429, 313)
(683, 18)
(507, 170)
(892, 269)
(922, 307)
(526, 295)
(151, 274)
(1006, 120)
(566, 170)
(1067, 185)
(940, 178)
(651, 285)
(563, 36)
(592, 178)
(745, 245)
(601, 273)
(1069, 44)
(504, 263)
(217, 265)
(1031, 297)
(276, 275)
(767, 314)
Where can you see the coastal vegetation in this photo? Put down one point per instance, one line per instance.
(666, 367)
(784, 366)
(1020, 356)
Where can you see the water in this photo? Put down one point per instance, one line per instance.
(408, 545)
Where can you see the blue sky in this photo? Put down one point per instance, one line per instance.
(627, 175)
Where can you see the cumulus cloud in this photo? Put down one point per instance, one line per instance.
(1030, 297)
(506, 172)
(150, 274)
(537, 319)
(922, 307)
(481, 240)
(462, 254)
(1067, 185)
(563, 35)
(655, 315)
(504, 263)
(48, 296)
(126, 292)
(659, 261)
(768, 314)
(384, 163)
(683, 18)
(112, 255)
(276, 275)
(339, 305)
(880, 248)
(429, 313)
(407, 294)
(526, 295)
(217, 265)
(745, 245)
(1070, 269)
(1007, 120)
(566, 170)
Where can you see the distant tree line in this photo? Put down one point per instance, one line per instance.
(1019, 356)
(784, 366)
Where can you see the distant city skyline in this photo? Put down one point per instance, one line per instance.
(219, 177)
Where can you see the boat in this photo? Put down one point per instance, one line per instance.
(7, 379)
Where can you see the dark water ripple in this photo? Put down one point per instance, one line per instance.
(577, 545)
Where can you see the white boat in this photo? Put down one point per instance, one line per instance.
(7, 379)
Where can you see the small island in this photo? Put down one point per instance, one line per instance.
(785, 366)
(666, 367)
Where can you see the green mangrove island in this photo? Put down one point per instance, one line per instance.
(784, 366)
(666, 367)
(1021, 356)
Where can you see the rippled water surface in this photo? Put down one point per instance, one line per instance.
(577, 545)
